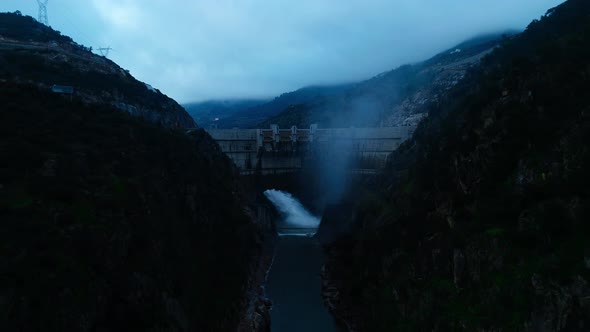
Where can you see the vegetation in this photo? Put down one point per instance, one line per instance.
(15, 26)
(481, 220)
(256, 115)
(110, 223)
(42, 56)
(222, 113)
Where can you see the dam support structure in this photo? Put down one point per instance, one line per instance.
(277, 151)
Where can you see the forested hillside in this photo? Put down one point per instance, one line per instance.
(256, 115)
(111, 223)
(481, 221)
(220, 113)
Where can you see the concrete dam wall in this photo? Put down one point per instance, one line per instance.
(276, 151)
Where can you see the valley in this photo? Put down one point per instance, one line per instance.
(449, 194)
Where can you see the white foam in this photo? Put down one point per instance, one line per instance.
(295, 215)
(296, 234)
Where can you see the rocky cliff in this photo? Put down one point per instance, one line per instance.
(33, 53)
(480, 222)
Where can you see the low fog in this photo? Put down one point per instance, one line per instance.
(197, 50)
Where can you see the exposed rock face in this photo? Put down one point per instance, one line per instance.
(557, 305)
(436, 78)
(36, 54)
(480, 222)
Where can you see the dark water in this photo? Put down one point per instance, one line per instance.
(294, 286)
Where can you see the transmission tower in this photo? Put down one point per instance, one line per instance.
(43, 12)
(104, 51)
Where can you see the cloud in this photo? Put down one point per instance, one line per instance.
(201, 49)
(120, 14)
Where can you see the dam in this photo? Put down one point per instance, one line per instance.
(276, 151)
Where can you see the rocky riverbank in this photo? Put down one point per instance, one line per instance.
(336, 298)
(255, 316)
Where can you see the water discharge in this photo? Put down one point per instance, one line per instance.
(293, 212)
(294, 282)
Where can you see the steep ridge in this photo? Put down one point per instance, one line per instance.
(393, 98)
(396, 97)
(108, 220)
(253, 116)
(219, 113)
(112, 223)
(480, 222)
(33, 53)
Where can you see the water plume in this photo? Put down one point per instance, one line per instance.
(294, 213)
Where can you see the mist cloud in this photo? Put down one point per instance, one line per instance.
(195, 50)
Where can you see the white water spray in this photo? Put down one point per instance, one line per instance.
(295, 214)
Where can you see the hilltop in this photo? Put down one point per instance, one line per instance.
(33, 53)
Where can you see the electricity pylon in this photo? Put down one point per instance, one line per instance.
(43, 12)
(104, 51)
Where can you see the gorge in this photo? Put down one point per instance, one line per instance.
(447, 195)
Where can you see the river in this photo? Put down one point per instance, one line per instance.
(294, 283)
(294, 286)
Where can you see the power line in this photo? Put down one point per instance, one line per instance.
(42, 18)
(104, 51)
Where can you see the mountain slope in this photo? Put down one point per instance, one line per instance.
(210, 113)
(481, 221)
(109, 221)
(392, 98)
(34, 53)
(254, 116)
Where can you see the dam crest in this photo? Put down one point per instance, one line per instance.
(276, 151)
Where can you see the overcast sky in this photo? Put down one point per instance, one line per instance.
(213, 49)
